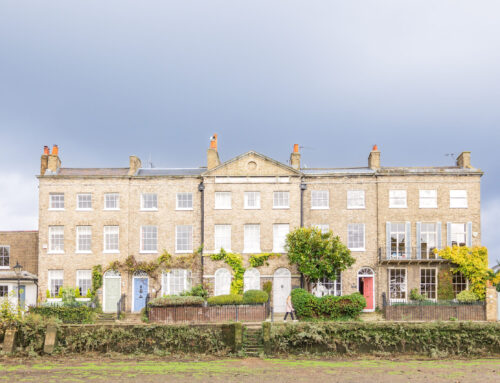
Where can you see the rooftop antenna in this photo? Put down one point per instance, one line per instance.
(451, 155)
(150, 162)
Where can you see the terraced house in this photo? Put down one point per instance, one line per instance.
(390, 217)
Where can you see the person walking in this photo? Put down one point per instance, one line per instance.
(289, 308)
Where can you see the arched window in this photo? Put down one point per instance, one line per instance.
(251, 280)
(222, 282)
(112, 273)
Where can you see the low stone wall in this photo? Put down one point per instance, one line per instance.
(208, 314)
(474, 312)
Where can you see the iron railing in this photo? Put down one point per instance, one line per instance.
(120, 306)
(412, 254)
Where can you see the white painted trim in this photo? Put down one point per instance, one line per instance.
(104, 289)
(373, 282)
(389, 285)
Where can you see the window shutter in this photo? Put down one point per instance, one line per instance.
(469, 234)
(419, 248)
(448, 234)
(388, 239)
(438, 235)
(408, 239)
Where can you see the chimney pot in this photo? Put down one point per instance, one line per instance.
(375, 148)
(55, 150)
(295, 148)
(46, 150)
(374, 158)
(295, 157)
(212, 154)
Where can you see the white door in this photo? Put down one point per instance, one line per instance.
(282, 287)
(112, 291)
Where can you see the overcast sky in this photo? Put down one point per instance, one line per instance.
(106, 79)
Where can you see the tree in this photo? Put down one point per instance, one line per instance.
(472, 262)
(317, 255)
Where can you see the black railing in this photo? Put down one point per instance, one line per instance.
(408, 254)
(120, 306)
(146, 308)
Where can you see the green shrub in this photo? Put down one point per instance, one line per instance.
(445, 285)
(416, 296)
(230, 299)
(196, 291)
(267, 287)
(176, 300)
(308, 306)
(255, 296)
(66, 314)
(467, 296)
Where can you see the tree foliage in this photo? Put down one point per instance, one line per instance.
(472, 262)
(316, 254)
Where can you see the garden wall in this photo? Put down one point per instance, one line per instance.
(463, 312)
(198, 314)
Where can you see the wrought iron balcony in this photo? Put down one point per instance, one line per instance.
(396, 256)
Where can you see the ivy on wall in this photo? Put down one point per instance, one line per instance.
(235, 261)
(257, 260)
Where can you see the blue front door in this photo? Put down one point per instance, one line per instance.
(140, 292)
(22, 296)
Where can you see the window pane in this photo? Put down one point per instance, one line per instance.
(279, 237)
(56, 238)
(355, 199)
(176, 281)
(55, 281)
(184, 201)
(458, 198)
(4, 256)
(84, 201)
(222, 236)
(111, 238)
(252, 200)
(397, 284)
(111, 201)
(281, 199)
(458, 234)
(397, 198)
(84, 281)
(149, 201)
(83, 238)
(56, 201)
(184, 238)
(324, 228)
(356, 236)
(428, 283)
(223, 200)
(328, 287)
(459, 283)
(398, 240)
(252, 239)
(319, 199)
(428, 198)
(149, 238)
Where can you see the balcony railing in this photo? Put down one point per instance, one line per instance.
(408, 255)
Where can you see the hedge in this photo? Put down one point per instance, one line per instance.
(175, 300)
(66, 314)
(255, 296)
(308, 306)
(221, 300)
(433, 339)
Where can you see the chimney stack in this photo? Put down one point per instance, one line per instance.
(295, 157)
(135, 164)
(44, 162)
(53, 161)
(374, 158)
(212, 154)
(463, 160)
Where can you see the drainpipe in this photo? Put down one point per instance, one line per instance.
(201, 189)
(303, 187)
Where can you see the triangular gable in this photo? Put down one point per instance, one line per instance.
(252, 164)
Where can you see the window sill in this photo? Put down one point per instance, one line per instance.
(85, 209)
(111, 252)
(183, 251)
(256, 251)
(149, 210)
(223, 208)
(252, 208)
(148, 252)
(184, 209)
(398, 207)
(118, 209)
(320, 208)
(55, 252)
(53, 209)
(83, 252)
(357, 250)
(4, 267)
(281, 208)
(427, 207)
(459, 207)
(356, 208)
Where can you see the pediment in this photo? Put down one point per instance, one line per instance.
(252, 164)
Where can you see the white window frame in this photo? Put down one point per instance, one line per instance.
(256, 198)
(328, 287)
(185, 278)
(251, 279)
(405, 285)
(6, 295)
(452, 233)
(350, 228)
(143, 200)
(323, 227)
(318, 199)
(80, 232)
(400, 245)
(458, 201)
(51, 276)
(223, 200)
(427, 234)
(222, 236)
(279, 200)
(52, 232)
(52, 201)
(427, 199)
(153, 236)
(398, 195)
(250, 246)
(117, 200)
(279, 236)
(7, 247)
(79, 278)
(353, 196)
(225, 289)
(184, 198)
(81, 195)
(190, 238)
(107, 230)
(435, 282)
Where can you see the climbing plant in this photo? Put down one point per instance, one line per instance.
(257, 260)
(235, 261)
(96, 279)
(472, 262)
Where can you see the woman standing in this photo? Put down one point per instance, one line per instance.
(289, 308)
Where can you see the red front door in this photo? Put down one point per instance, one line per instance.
(368, 292)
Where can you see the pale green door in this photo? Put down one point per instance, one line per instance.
(112, 292)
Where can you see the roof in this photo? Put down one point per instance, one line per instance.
(11, 275)
(323, 171)
(93, 171)
(151, 172)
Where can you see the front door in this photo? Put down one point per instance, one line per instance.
(112, 292)
(140, 292)
(282, 287)
(368, 292)
(22, 296)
